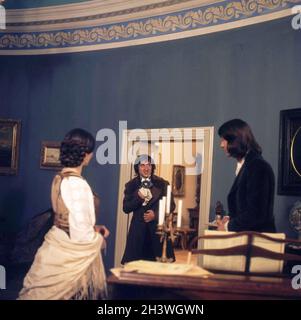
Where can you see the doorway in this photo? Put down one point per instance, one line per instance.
(183, 156)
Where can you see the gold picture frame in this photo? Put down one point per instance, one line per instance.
(178, 181)
(10, 131)
(289, 164)
(50, 155)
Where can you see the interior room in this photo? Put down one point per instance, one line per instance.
(111, 67)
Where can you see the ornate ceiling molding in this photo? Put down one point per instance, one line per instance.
(102, 24)
(97, 10)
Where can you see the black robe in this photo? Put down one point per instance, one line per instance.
(251, 198)
(142, 240)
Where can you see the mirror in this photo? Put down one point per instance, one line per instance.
(183, 157)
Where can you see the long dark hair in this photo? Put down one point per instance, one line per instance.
(239, 137)
(141, 158)
(74, 147)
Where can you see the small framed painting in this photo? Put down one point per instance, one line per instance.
(9, 146)
(178, 181)
(50, 155)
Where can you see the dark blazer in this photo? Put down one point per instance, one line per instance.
(251, 198)
(142, 240)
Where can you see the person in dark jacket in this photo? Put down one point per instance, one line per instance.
(251, 198)
(141, 196)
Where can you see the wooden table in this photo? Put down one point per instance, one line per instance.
(215, 287)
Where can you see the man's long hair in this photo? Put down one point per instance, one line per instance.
(141, 158)
(239, 137)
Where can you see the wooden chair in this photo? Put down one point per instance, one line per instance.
(247, 252)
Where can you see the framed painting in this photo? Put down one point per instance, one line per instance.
(289, 166)
(50, 155)
(178, 181)
(9, 146)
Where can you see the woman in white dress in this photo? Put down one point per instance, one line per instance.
(69, 265)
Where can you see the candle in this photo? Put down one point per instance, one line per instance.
(162, 204)
(168, 199)
(179, 218)
(161, 214)
(163, 209)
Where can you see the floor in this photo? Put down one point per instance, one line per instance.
(181, 257)
(15, 275)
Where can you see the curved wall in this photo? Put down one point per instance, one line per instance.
(252, 73)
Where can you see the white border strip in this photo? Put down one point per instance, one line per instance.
(90, 8)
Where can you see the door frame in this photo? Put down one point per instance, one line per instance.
(128, 138)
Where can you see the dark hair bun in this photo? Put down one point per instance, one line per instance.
(75, 146)
(72, 154)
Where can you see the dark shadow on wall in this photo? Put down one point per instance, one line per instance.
(10, 214)
(10, 221)
(18, 249)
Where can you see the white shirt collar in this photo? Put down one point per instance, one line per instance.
(239, 165)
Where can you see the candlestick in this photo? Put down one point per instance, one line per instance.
(179, 218)
(165, 230)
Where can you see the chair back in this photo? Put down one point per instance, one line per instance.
(243, 252)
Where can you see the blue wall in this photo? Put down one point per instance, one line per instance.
(252, 73)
